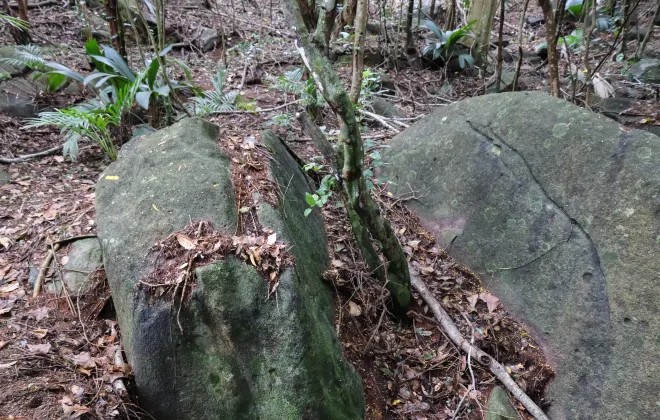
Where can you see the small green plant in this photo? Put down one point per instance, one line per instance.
(92, 123)
(322, 195)
(283, 120)
(443, 44)
(372, 150)
(292, 82)
(32, 56)
(214, 101)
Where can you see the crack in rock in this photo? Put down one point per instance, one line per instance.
(489, 134)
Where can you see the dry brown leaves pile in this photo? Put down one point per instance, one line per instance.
(413, 370)
(199, 244)
(55, 361)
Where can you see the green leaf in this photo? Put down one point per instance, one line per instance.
(166, 50)
(307, 211)
(152, 72)
(142, 98)
(55, 81)
(60, 69)
(92, 47)
(311, 201)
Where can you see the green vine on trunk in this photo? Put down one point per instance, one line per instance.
(367, 222)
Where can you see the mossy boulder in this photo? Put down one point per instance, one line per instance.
(558, 208)
(241, 355)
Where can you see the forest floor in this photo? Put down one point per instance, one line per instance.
(57, 354)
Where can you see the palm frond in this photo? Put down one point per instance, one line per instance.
(26, 55)
(15, 22)
(214, 101)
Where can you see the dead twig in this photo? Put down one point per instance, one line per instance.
(455, 336)
(44, 269)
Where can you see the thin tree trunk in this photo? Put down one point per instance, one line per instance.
(324, 25)
(483, 11)
(587, 31)
(500, 48)
(553, 60)
(348, 12)
(626, 27)
(408, 28)
(432, 11)
(116, 27)
(356, 196)
(358, 48)
(451, 16)
(649, 33)
(520, 41)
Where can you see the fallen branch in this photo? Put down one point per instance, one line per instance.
(455, 336)
(35, 5)
(33, 155)
(379, 119)
(43, 270)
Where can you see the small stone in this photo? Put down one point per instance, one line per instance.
(647, 70)
(499, 406)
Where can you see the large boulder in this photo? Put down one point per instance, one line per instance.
(559, 209)
(240, 355)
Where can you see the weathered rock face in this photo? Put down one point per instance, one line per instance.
(241, 356)
(559, 209)
(18, 97)
(647, 70)
(84, 258)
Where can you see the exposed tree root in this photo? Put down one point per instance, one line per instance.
(30, 156)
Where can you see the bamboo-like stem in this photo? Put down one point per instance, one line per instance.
(356, 195)
(361, 14)
(520, 49)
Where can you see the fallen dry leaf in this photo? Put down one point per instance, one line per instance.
(39, 313)
(272, 239)
(7, 365)
(74, 411)
(354, 309)
(9, 287)
(491, 301)
(425, 269)
(6, 242)
(185, 241)
(40, 332)
(83, 360)
(39, 348)
(472, 300)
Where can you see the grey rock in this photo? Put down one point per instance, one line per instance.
(209, 39)
(613, 108)
(636, 33)
(532, 58)
(499, 406)
(506, 83)
(12, 69)
(4, 177)
(646, 70)
(557, 208)
(240, 356)
(19, 97)
(85, 257)
(385, 108)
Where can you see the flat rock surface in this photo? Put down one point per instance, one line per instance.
(558, 208)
